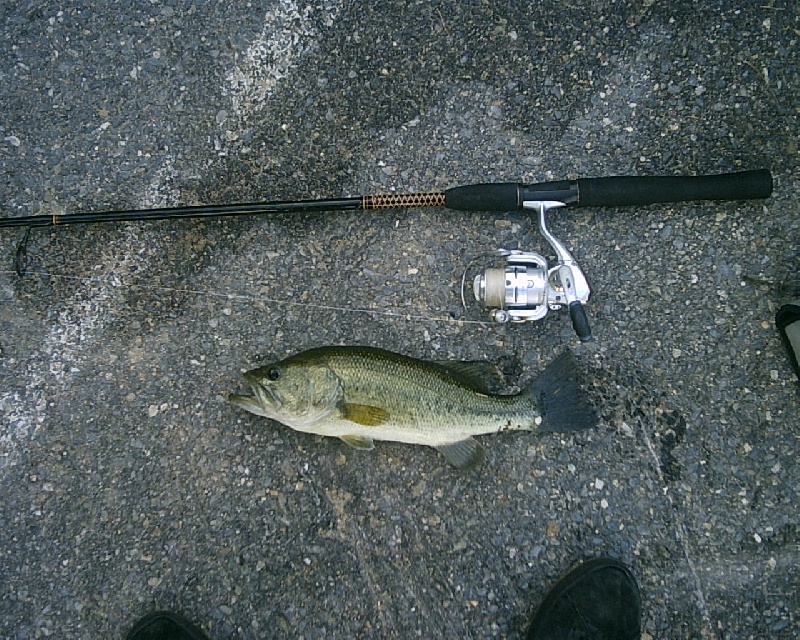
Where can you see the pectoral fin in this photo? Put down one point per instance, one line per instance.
(364, 414)
(464, 454)
(358, 442)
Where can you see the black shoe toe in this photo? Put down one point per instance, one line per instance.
(788, 322)
(598, 600)
(165, 625)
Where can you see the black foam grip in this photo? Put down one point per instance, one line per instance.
(624, 191)
(502, 196)
(580, 322)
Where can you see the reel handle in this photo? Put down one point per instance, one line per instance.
(580, 321)
(567, 273)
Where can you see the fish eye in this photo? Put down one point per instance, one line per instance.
(273, 374)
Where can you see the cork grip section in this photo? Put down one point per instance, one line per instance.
(403, 200)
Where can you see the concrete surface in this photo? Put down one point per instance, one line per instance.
(130, 484)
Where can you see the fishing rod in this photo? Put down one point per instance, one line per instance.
(524, 287)
(504, 196)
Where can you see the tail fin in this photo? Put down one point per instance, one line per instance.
(558, 395)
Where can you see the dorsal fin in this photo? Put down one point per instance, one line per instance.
(480, 375)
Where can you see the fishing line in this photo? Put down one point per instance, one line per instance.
(116, 279)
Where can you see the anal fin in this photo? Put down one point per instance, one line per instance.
(464, 454)
(358, 442)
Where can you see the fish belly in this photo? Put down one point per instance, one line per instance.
(431, 419)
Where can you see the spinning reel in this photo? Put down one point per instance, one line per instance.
(524, 287)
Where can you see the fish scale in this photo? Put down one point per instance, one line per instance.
(425, 398)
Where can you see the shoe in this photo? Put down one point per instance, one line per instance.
(788, 322)
(598, 600)
(164, 625)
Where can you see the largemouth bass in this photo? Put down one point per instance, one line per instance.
(363, 394)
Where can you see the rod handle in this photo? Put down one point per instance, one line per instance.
(628, 190)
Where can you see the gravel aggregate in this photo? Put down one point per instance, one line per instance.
(130, 484)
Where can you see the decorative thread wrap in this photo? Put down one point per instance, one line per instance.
(403, 200)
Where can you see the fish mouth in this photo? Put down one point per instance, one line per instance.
(265, 394)
(263, 402)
